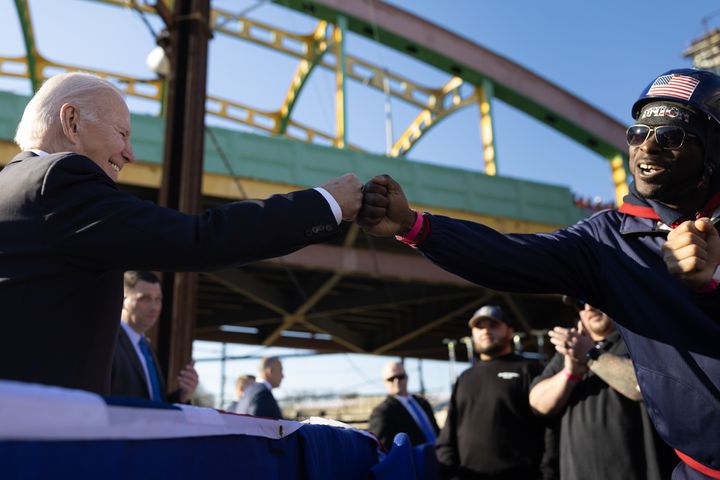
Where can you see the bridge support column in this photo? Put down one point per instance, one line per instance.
(620, 172)
(340, 96)
(484, 95)
(183, 154)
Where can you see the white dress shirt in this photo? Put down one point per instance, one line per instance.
(334, 205)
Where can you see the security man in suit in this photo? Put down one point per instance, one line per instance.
(402, 412)
(258, 399)
(135, 368)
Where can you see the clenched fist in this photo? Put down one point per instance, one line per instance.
(347, 191)
(385, 210)
(692, 252)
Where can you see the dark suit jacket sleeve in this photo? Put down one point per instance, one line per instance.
(380, 426)
(89, 220)
(446, 445)
(391, 417)
(127, 378)
(264, 405)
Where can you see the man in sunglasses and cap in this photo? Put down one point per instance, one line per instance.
(650, 265)
(491, 432)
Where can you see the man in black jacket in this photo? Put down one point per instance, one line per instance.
(490, 432)
(67, 233)
(402, 412)
(135, 368)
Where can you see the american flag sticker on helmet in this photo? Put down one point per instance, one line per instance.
(678, 86)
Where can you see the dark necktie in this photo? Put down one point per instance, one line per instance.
(423, 422)
(156, 393)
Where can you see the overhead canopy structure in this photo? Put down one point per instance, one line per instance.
(359, 294)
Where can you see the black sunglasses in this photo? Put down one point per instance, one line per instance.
(669, 137)
(400, 377)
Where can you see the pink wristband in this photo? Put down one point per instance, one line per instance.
(570, 376)
(410, 236)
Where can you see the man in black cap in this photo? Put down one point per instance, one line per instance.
(490, 431)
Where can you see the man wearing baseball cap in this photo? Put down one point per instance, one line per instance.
(653, 265)
(490, 431)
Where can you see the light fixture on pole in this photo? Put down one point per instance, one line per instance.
(158, 60)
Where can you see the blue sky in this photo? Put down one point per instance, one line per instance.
(603, 52)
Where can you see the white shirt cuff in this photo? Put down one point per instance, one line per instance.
(334, 205)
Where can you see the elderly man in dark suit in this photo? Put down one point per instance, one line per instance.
(258, 399)
(67, 233)
(135, 368)
(402, 412)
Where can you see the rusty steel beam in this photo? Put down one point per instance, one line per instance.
(183, 169)
(418, 330)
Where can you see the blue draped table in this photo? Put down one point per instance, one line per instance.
(48, 432)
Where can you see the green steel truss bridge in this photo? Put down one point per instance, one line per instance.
(360, 294)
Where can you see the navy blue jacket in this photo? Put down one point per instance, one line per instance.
(614, 261)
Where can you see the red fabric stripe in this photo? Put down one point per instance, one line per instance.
(710, 207)
(698, 466)
(638, 211)
(648, 212)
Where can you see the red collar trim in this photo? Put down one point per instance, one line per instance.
(638, 211)
(694, 464)
(648, 212)
(710, 207)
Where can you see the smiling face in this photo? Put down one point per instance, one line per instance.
(104, 135)
(668, 176)
(669, 171)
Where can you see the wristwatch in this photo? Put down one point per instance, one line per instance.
(593, 354)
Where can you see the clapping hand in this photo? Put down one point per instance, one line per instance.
(573, 343)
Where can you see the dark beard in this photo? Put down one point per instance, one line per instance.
(675, 195)
(609, 328)
(493, 349)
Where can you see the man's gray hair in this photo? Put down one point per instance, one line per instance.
(41, 119)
